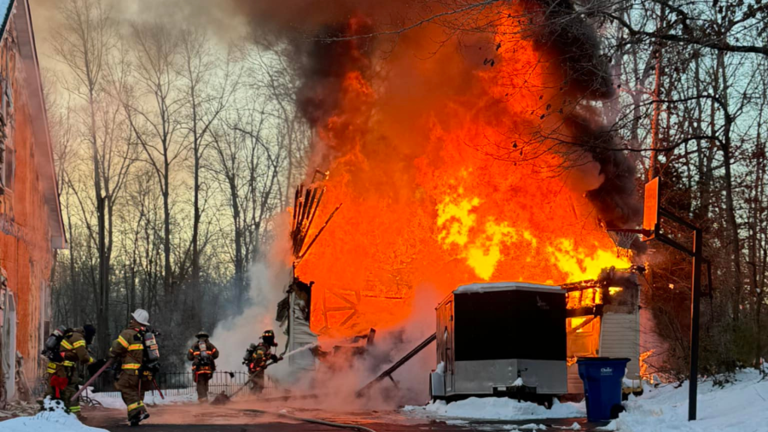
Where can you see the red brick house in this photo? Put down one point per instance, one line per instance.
(31, 227)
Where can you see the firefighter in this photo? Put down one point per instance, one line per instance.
(63, 373)
(257, 356)
(203, 355)
(134, 380)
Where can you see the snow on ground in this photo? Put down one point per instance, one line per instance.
(741, 406)
(114, 400)
(738, 407)
(495, 409)
(54, 418)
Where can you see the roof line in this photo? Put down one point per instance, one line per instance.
(40, 131)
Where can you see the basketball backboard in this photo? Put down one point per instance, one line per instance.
(651, 209)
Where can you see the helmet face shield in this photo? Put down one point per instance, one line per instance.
(269, 338)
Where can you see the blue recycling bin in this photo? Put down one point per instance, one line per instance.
(602, 377)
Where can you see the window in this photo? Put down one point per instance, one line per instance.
(8, 335)
(8, 170)
(586, 328)
(45, 311)
(7, 148)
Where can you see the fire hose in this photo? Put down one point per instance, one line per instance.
(270, 363)
(250, 378)
(314, 421)
(93, 378)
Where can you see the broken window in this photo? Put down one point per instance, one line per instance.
(8, 173)
(7, 149)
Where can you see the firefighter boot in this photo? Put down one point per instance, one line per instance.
(138, 417)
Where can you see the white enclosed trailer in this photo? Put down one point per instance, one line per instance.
(503, 339)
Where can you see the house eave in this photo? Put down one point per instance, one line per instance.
(39, 119)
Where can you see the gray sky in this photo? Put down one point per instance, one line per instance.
(217, 15)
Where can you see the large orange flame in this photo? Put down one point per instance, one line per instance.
(427, 200)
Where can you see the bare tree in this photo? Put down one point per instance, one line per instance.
(209, 83)
(154, 104)
(83, 45)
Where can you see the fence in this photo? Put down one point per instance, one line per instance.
(182, 383)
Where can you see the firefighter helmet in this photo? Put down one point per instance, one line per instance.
(202, 334)
(269, 337)
(141, 316)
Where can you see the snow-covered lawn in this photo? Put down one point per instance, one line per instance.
(495, 409)
(738, 407)
(741, 406)
(54, 418)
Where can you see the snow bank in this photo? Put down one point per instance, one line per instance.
(738, 407)
(54, 418)
(496, 409)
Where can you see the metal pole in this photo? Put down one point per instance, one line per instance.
(695, 306)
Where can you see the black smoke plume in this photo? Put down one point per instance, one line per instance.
(573, 42)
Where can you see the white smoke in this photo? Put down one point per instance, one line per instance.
(233, 336)
(338, 378)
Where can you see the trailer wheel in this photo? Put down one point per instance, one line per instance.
(546, 401)
(616, 410)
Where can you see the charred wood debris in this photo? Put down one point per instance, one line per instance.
(307, 201)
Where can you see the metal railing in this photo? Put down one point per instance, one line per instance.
(181, 383)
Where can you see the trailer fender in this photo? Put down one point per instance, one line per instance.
(436, 386)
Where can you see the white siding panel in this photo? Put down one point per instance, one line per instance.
(620, 337)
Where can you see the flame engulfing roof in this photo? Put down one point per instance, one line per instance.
(453, 167)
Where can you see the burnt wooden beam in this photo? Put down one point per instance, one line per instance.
(390, 370)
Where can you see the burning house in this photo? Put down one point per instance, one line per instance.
(30, 218)
(481, 158)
